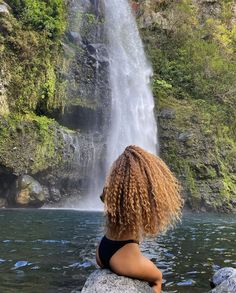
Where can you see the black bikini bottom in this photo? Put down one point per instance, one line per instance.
(107, 248)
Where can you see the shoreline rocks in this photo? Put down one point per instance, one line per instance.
(30, 192)
(3, 203)
(224, 281)
(103, 281)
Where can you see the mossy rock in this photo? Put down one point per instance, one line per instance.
(29, 144)
(30, 192)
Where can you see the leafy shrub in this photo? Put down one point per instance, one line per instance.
(197, 58)
(30, 52)
(41, 15)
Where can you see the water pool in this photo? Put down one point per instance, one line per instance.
(54, 250)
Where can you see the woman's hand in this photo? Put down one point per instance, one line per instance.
(157, 287)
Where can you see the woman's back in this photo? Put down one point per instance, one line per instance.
(141, 198)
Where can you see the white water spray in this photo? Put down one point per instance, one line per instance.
(132, 118)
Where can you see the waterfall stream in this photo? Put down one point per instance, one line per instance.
(132, 110)
(133, 120)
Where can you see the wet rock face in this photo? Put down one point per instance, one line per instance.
(88, 94)
(59, 160)
(190, 153)
(224, 281)
(3, 203)
(7, 187)
(30, 192)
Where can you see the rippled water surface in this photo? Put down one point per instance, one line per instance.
(44, 251)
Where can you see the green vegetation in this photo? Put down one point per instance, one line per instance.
(29, 143)
(41, 15)
(31, 54)
(193, 53)
(192, 47)
(197, 59)
(31, 64)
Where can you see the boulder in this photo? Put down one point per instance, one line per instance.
(4, 8)
(3, 202)
(224, 281)
(167, 113)
(30, 192)
(103, 281)
(98, 52)
(75, 38)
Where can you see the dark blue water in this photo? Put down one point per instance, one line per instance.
(54, 250)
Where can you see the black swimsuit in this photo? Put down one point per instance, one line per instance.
(107, 248)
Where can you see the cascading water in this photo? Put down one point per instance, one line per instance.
(132, 117)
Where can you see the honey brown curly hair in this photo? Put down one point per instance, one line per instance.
(141, 195)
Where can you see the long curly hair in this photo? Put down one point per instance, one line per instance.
(141, 195)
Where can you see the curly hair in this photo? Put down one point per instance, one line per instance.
(141, 195)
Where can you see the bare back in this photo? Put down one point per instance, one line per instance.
(129, 261)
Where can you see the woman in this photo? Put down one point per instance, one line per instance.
(141, 198)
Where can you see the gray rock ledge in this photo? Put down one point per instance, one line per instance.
(104, 281)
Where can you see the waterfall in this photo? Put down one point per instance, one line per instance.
(122, 76)
(132, 117)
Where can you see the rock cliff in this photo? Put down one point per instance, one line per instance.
(54, 105)
(191, 45)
